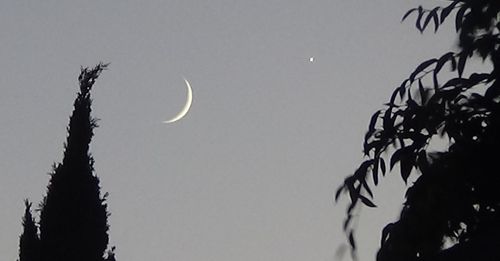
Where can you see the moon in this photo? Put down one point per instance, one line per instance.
(186, 107)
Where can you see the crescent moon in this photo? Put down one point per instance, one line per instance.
(186, 107)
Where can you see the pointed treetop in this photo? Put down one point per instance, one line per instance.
(73, 218)
(88, 76)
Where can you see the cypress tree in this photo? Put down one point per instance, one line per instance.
(29, 243)
(73, 219)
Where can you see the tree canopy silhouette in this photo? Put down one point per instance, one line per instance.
(73, 215)
(452, 209)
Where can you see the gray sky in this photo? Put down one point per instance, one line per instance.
(250, 172)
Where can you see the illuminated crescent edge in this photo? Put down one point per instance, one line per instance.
(186, 107)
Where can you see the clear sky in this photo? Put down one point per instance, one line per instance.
(250, 172)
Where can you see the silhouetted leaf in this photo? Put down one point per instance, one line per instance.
(410, 98)
(387, 121)
(399, 154)
(402, 88)
(454, 82)
(367, 202)
(338, 192)
(373, 121)
(375, 172)
(436, 21)
(447, 10)
(382, 166)
(479, 77)
(421, 67)
(406, 164)
(459, 17)
(431, 15)
(418, 22)
(408, 13)
(435, 80)
(461, 63)
(422, 92)
(352, 242)
(392, 100)
(442, 60)
(367, 188)
(360, 173)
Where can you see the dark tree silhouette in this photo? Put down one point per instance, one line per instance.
(29, 243)
(452, 209)
(73, 218)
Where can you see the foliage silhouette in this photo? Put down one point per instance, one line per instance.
(73, 216)
(29, 243)
(451, 210)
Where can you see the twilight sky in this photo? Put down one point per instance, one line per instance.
(250, 173)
